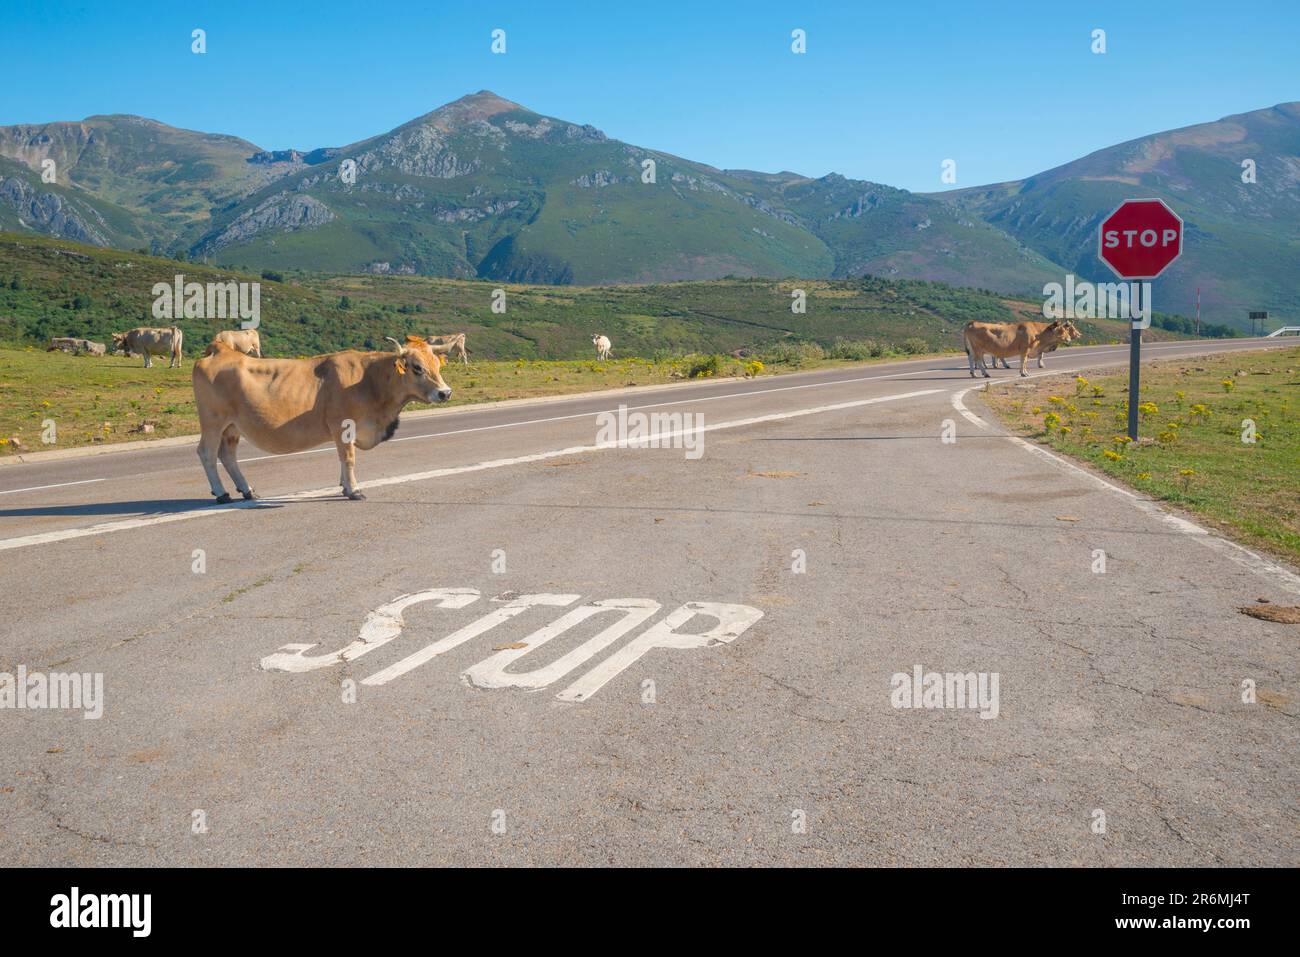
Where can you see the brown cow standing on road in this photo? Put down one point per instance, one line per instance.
(288, 405)
(1005, 339)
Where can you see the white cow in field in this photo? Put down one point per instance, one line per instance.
(246, 341)
(147, 342)
(602, 345)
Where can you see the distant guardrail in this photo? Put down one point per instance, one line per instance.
(1283, 331)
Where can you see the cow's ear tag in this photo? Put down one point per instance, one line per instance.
(401, 367)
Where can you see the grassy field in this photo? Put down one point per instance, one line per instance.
(55, 288)
(1193, 450)
(104, 400)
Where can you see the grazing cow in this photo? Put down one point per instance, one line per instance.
(150, 342)
(1005, 339)
(75, 346)
(602, 345)
(287, 405)
(246, 341)
(455, 344)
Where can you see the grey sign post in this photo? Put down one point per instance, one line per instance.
(1137, 241)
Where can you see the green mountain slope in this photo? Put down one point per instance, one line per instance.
(1242, 243)
(169, 179)
(485, 188)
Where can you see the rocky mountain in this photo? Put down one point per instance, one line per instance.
(484, 187)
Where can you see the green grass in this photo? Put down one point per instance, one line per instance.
(1191, 450)
(55, 288)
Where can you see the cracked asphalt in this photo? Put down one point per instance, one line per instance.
(868, 545)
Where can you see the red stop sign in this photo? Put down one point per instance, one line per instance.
(1140, 239)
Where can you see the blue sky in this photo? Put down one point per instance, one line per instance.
(886, 91)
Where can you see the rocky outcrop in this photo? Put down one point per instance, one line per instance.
(596, 180)
(48, 212)
(423, 151)
(283, 212)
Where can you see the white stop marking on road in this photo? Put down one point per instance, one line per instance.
(385, 623)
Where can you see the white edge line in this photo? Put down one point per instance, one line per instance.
(38, 488)
(46, 538)
(1239, 554)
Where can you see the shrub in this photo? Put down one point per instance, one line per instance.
(794, 353)
(857, 349)
(706, 367)
(915, 346)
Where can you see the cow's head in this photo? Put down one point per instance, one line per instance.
(119, 342)
(1062, 330)
(595, 338)
(419, 367)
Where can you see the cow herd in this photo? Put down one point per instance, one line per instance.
(1002, 340)
(355, 399)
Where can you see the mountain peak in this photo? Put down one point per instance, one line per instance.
(485, 102)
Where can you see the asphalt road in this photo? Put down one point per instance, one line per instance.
(264, 702)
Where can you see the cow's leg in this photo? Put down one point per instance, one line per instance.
(981, 364)
(148, 363)
(1040, 359)
(1024, 359)
(227, 453)
(209, 451)
(347, 470)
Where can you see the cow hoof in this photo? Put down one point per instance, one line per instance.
(224, 498)
(356, 496)
(250, 495)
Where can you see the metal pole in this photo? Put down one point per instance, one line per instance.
(1134, 361)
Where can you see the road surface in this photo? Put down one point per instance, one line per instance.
(637, 656)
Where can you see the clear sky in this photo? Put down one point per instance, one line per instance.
(885, 92)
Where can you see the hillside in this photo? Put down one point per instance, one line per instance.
(51, 287)
(162, 183)
(1242, 245)
(486, 188)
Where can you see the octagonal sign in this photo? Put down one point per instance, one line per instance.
(1140, 238)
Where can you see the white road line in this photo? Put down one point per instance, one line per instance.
(46, 538)
(38, 488)
(1102, 351)
(630, 408)
(1229, 549)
